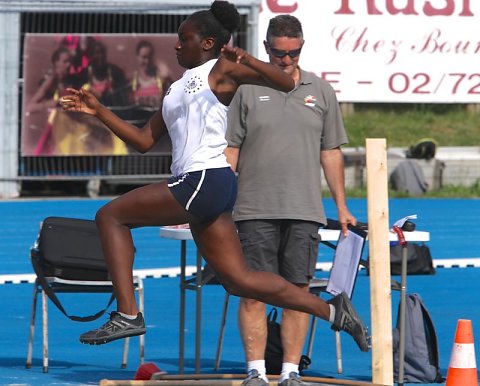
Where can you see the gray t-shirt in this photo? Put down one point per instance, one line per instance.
(280, 136)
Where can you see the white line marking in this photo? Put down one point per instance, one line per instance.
(158, 273)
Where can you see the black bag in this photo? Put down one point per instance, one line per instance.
(69, 249)
(423, 149)
(274, 349)
(419, 259)
(421, 363)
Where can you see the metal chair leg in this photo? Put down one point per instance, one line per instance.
(126, 343)
(28, 363)
(222, 331)
(141, 307)
(338, 344)
(313, 326)
(338, 347)
(45, 331)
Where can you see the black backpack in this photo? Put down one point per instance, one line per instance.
(421, 363)
(274, 349)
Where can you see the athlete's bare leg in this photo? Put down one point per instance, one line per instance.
(219, 244)
(151, 205)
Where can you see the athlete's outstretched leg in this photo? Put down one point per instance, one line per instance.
(218, 242)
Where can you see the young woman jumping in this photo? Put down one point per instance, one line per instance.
(202, 190)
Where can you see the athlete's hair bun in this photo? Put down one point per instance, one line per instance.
(226, 13)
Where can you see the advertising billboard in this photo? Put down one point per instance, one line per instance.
(129, 73)
(422, 51)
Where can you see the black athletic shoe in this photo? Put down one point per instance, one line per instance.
(117, 327)
(346, 319)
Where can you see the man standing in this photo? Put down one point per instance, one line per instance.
(278, 144)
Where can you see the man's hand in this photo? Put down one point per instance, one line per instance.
(345, 218)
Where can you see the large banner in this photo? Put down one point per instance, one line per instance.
(128, 73)
(389, 50)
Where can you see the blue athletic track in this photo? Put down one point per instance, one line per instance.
(452, 293)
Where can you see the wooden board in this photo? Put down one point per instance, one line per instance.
(224, 380)
(379, 261)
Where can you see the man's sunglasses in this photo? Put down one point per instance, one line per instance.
(282, 53)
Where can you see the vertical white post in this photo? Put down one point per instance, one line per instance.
(379, 261)
(9, 69)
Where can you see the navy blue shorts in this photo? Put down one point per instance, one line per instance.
(205, 193)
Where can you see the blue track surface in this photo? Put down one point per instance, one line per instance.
(450, 295)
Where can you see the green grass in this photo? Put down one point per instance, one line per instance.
(448, 191)
(404, 124)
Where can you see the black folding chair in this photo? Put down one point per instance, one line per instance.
(73, 242)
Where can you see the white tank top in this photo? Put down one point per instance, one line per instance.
(196, 122)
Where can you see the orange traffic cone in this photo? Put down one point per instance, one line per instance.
(462, 370)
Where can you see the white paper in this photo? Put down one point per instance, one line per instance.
(399, 223)
(345, 264)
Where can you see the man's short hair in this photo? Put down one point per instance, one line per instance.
(284, 26)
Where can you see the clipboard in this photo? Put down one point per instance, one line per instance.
(346, 261)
